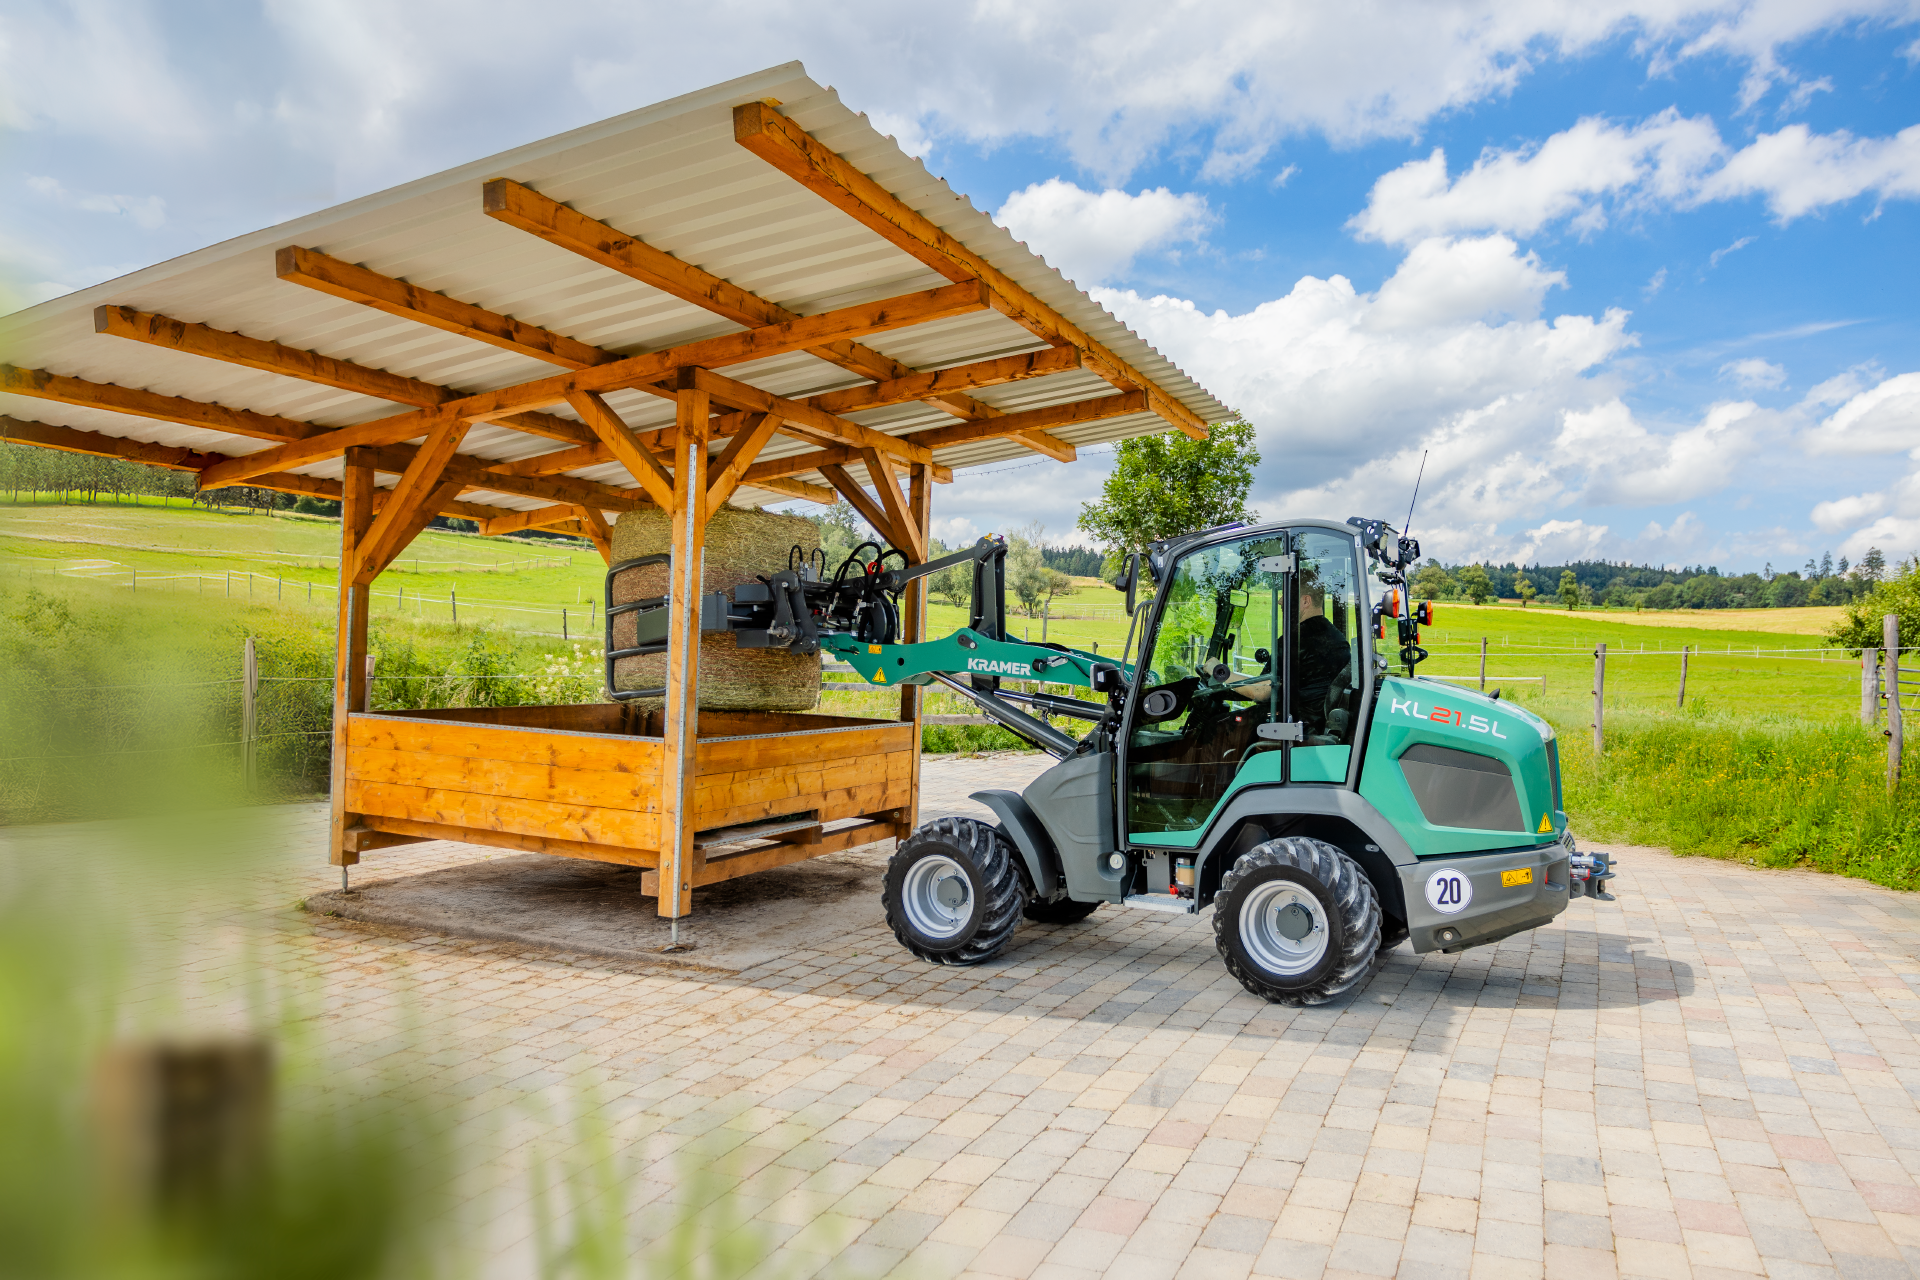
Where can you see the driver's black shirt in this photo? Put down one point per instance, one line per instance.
(1322, 656)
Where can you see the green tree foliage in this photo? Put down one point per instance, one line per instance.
(1433, 582)
(1027, 572)
(1569, 592)
(1475, 584)
(1898, 594)
(1166, 485)
(1524, 588)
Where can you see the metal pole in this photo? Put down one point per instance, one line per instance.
(250, 689)
(1869, 687)
(1683, 677)
(1890, 637)
(1483, 664)
(1599, 692)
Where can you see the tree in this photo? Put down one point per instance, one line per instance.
(1524, 588)
(1569, 589)
(1433, 582)
(1027, 573)
(1872, 567)
(1162, 486)
(1898, 594)
(1476, 584)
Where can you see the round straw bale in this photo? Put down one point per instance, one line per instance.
(741, 545)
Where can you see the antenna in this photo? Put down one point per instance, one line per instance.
(1408, 531)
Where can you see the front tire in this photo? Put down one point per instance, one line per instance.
(1297, 922)
(954, 892)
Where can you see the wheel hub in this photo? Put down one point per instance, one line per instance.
(1283, 927)
(937, 897)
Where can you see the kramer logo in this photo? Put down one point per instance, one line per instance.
(1447, 715)
(992, 668)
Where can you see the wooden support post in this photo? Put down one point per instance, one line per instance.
(1682, 702)
(1869, 687)
(1483, 664)
(1890, 641)
(249, 708)
(1599, 700)
(913, 629)
(350, 643)
(686, 575)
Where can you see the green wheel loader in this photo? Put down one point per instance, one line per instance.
(1260, 756)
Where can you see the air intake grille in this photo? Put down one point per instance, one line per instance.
(1460, 789)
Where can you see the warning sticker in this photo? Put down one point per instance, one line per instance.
(1508, 879)
(1448, 891)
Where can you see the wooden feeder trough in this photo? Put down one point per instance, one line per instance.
(769, 787)
(590, 361)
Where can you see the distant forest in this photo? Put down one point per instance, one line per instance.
(1590, 583)
(1078, 562)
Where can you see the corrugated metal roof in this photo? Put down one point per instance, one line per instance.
(671, 175)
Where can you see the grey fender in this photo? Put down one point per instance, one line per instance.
(1029, 837)
(1381, 852)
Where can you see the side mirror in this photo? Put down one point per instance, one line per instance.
(1108, 679)
(1131, 584)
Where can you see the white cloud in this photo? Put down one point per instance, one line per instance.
(955, 531)
(1880, 420)
(1799, 171)
(1347, 388)
(146, 212)
(1842, 513)
(1094, 238)
(1713, 259)
(1523, 190)
(1655, 284)
(1754, 372)
(1627, 464)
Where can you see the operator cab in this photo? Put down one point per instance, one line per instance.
(1259, 667)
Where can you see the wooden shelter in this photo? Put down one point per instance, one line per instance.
(743, 295)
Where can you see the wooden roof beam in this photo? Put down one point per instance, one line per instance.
(1034, 421)
(273, 357)
(733, 348)
(789, 148)
(355, 283)
(931, 386)
(800, 463)
(798, 489)
(41, 385)
(801, 417)
(521, 206)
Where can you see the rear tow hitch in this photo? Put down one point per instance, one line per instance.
(1589, 873)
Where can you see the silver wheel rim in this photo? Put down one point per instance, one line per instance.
(1284, 928)
(937, 896)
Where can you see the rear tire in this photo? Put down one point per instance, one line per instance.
(954, 891)
(1297, 922)
(1065, 911)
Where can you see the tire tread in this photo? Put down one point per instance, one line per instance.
(1004, 892)
(1353, 895)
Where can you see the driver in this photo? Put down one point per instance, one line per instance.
(1323, 652)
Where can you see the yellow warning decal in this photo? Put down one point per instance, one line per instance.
(879, 677)
(873, 648)
(1546, 824)
(1508, 879)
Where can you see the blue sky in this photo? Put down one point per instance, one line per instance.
(1654, 302)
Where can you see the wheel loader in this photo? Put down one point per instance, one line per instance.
(1259, 755)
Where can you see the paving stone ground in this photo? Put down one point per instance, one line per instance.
(1713, 1076)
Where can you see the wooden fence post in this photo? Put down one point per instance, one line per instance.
(1483, 664)
(1599, 692)
(249, 708)
(1682, 703)
(453, 604)
(1890, 639)
(1869, 687)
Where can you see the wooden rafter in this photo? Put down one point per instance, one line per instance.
(473, 473)
(355, 283)
(724, 475)
(798, 417)
(174, 458)
(273, 357)
(598, 532)
(300, 453)
(394, 527)
(798, 489)
(625, 446)
(789, 148)
(41, 385)
(905, 528)
(800, 463)
(928, 386)
(538, 518)
(858, 498)
(733, 348)
(569, 229)
(1059, 415)
(552, 464)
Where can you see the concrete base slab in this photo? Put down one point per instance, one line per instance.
(596, 908)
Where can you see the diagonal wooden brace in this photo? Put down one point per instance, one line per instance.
(392, 529)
